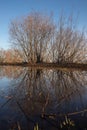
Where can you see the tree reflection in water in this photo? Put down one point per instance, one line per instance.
(48, 93)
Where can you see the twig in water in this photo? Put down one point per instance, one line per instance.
(5, 103)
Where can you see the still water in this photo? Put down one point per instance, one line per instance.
(42, 99)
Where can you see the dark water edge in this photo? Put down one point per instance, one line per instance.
(42, 99)
(48, 65)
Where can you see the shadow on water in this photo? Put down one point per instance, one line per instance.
(42, 99)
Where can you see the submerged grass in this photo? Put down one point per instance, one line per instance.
(36, 127)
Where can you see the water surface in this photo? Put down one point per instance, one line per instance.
(44, 99)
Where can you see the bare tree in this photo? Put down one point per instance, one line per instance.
(2, 56)
(70, 45)
(12, 56)
(31, 36)
(38, 39)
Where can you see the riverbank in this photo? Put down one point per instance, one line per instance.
(48, 65)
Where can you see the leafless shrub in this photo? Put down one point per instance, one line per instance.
(70, 45)
(38, 39)
(31, 36)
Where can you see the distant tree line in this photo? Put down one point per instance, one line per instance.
(36, 38)
(10, 56)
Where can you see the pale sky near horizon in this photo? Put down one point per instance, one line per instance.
(11, 9)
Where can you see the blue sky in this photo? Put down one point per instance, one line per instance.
(11, 9)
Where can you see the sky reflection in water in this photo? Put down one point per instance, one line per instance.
(44, 96)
